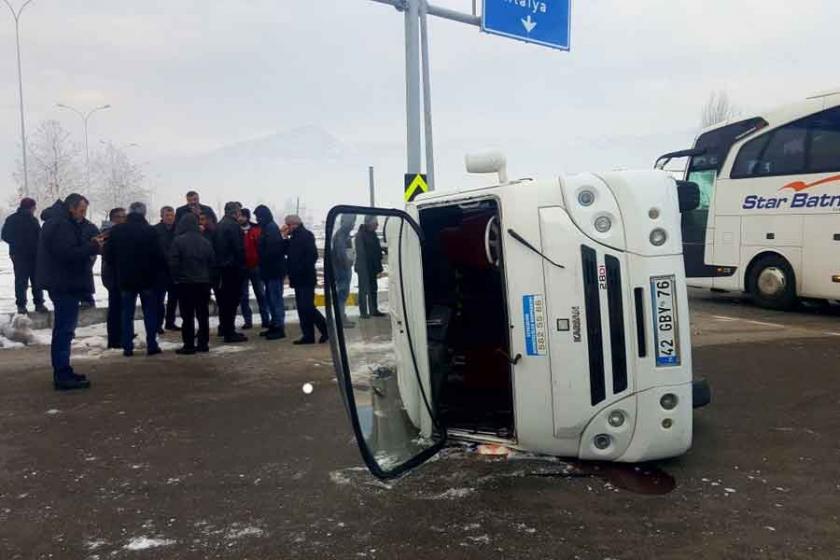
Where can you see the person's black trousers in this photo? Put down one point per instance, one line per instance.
(308, 314)
(114, 318)
(194, 300)
(229, 295)
(25, 277)
(368, 294)
(167, 312)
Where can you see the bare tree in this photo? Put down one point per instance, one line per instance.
(116, 180)
(718, 108)
(54, 164)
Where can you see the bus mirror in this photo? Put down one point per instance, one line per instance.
(689, 195)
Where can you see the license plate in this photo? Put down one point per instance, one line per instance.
(665, 324)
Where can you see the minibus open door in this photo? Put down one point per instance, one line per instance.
(373, 263)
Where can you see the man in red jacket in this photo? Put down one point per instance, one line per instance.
(251, 233)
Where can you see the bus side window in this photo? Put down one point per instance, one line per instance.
(824, 153)
(748, 158)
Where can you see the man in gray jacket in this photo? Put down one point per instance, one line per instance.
(191, 259)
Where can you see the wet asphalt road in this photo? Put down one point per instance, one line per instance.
(224, 456)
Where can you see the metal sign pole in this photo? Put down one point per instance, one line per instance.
(412, 85)
(372, 186)
(427, 96)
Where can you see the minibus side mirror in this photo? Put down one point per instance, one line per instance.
(689, 195)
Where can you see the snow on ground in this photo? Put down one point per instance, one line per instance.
(144, 543)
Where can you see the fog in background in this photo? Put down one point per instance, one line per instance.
(267, 100)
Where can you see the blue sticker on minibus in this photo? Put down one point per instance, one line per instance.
(533, 310)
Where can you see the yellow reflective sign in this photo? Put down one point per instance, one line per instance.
(415, 184)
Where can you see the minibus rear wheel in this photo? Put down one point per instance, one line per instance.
(772, 284)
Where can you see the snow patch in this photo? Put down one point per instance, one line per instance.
(52, 411)
(144, 543)
(238, 533)
(454, 494)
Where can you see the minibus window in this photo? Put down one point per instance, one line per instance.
(748, 157)
(785, 152)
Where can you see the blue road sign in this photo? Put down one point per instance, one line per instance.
(544, 22)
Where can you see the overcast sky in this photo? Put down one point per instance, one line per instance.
(200, 85)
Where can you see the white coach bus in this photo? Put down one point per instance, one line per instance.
(768, 222)
(548, 316)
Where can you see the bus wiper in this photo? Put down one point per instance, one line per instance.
(531, 247)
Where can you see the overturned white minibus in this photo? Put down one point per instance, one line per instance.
(546, 316)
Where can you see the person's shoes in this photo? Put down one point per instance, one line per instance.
(377, 314)
(265, 332)
(172, 327)
(185, 351)
(154, 351)
(128, 353)
(219, 332)
(202, 349)
(114, 347)
(87, 305)
(235, 338)
(79, 376)
(324, 338)
(265, 326)
(41, 309)
(275, 334)
(161, 332)
(22, 310)
(70, 384)
(304, 341)
(247, 326)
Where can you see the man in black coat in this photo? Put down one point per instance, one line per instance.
(271, 249)
(134, 250)
(21, 231)
(368, 267)
(62, 268)
(301, 259)
(230, 261)
(194, 206)
(109, 279)
(191, 260)
(89, 231)
(167, 296)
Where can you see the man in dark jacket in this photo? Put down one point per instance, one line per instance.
(230, 260)
(89, 231)
(301, 259)
(62, 266)
(368, 267)
(271, 249)
(21, 231)
(109, 279)
(133, 249)
(167, 296)
(191, 260)
(342, 261)
(194, 206)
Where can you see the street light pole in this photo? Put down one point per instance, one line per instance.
(85, 117)
(16, 16)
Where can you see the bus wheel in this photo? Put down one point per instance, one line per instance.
(772, 283)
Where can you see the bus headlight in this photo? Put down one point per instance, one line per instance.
(586, 198)
(658, 237)
(602, 441)
(603, 224)
(669, 401)
(616, 419)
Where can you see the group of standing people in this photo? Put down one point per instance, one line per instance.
(171, 266)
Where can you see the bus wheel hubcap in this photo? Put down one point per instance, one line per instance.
(771, 281)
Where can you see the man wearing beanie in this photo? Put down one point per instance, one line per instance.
(21, 231)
